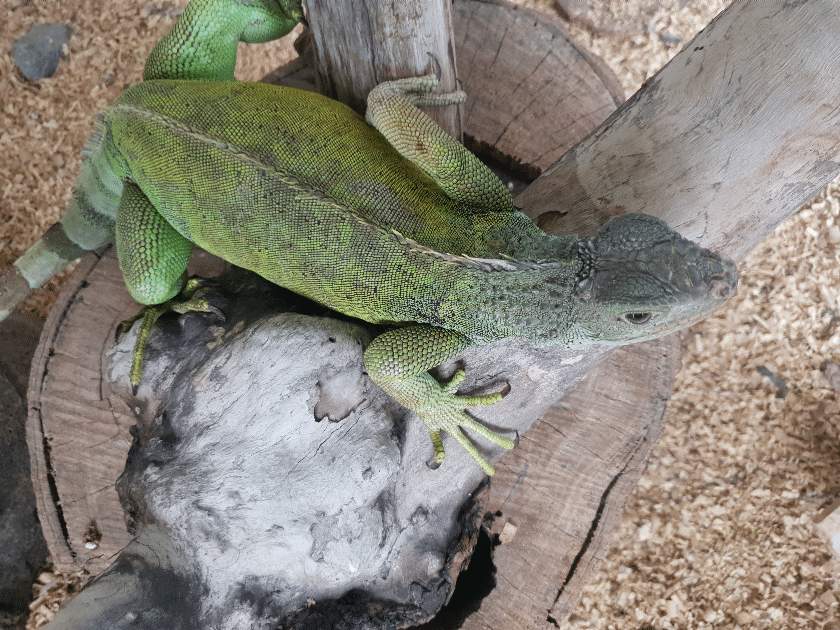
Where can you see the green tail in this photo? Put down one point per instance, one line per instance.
(88, 224)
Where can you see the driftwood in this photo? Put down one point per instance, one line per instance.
(560, 491)
(739, 129)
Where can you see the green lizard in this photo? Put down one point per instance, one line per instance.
(386, 219)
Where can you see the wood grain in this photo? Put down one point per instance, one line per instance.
(532, 92)
(732, 136)
(360, 44)
(564, 488)
(78, 434)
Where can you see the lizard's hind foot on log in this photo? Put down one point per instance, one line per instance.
(192, 299)
(416, 90)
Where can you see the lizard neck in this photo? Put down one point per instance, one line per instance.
(532, 298)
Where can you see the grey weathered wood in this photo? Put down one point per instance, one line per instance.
(362, 43)
(261, 503)
(727, 140)
(734, 134)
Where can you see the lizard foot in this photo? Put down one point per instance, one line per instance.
(445, 412)
(192, 299)
(418, 90)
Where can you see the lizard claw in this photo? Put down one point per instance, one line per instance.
(445, 413)
(438, 70)
(194, 292)
(451, 386)
(198, 304)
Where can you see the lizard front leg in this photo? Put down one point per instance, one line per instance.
(204, 40)
(398, 361)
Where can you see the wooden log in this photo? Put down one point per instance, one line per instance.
(736, 132)
(360, 44)
(723, 166)
(533, 93)
(73, 466)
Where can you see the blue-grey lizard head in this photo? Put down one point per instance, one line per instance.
(638, 279)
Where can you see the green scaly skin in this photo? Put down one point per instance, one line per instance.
(386, 219)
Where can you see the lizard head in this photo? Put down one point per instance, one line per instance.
(638, 279)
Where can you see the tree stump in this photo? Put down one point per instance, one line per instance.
(557, 496)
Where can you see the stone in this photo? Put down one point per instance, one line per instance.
(777, 381)
(37, 53)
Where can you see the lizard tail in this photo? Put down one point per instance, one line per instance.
(87, 224)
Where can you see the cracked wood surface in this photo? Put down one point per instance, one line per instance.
(533, 93)
(564, 488)
(78, 435)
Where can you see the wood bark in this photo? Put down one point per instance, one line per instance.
(563, 488)
(360, 44)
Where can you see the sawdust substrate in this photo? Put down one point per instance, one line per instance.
(720, 532)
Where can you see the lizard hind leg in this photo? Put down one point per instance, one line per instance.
(192, 299)
(153, 259)
(392, 107)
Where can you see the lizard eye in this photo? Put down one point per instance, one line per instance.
(637, 318)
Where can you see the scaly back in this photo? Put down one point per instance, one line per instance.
(316, 141)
